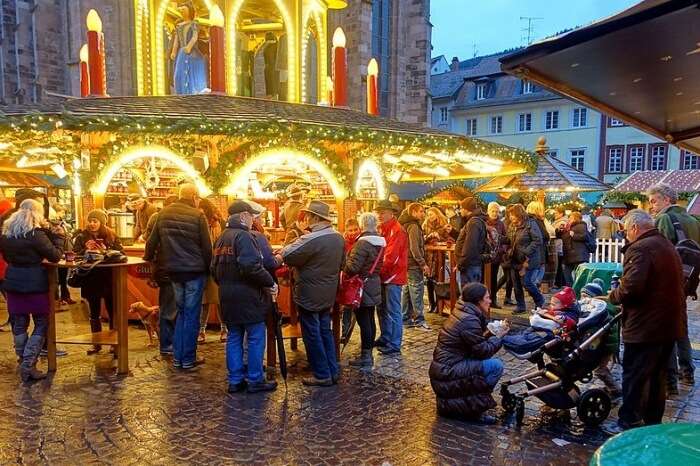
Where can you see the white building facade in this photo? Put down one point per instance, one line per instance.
(477, 99)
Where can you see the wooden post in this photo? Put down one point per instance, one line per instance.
(51, 337)
(121, 319)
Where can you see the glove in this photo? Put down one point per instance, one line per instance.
(273, 290)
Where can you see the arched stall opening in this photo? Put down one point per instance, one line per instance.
(271, 177)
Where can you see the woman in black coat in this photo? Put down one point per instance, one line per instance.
(25, 244)
(573, 237)
(367, 253)
(97, 285)
(464, 372)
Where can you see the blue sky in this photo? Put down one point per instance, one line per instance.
(495, 25)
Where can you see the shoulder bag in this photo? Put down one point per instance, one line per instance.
(351, 288)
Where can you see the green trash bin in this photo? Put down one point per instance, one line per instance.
(659, 445)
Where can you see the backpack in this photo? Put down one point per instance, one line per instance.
(490, 250)
(689, 251)
(591, 245)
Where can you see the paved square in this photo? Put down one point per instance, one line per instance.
(86, 415)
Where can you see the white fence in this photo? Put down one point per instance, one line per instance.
(608, 250)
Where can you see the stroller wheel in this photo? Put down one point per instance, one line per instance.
(593, 407)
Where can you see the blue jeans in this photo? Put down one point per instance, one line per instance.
(188, 302)
(412, 296)
(166, 316)
(493, 370)
(472, 274)
(390, 317)
(255, 336)
(540, 275)
(319, 343)
(531, 287)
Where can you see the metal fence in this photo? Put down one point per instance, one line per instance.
(608, 250)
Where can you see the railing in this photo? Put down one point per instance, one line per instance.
(608, 250)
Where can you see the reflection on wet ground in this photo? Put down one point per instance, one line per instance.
(85, 414)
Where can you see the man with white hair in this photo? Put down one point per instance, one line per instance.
(181, 237)
(653, 318)
(673, 221)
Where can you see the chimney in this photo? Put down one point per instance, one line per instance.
(455, 64)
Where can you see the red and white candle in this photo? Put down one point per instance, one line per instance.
(217, 68)
(340, 69)
(84, 73)
(372, 87)
(96, 55)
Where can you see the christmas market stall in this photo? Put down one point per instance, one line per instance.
(632, 190)
(263, 121)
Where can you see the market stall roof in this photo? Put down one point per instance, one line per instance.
(419, 153)
(552, 174)
(641, 66)
(641, 181)
(9, 179)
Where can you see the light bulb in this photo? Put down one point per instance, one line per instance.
(339, 39)
(84, 53)
(373, 68)
(216, 16)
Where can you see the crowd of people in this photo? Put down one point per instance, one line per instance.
(202, 259)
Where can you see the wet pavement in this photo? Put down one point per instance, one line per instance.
(85, 414)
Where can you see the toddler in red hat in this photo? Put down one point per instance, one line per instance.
(563, 309)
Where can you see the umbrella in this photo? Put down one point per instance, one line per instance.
(348, 331)
(281, 355)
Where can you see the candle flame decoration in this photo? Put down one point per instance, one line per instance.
(94, 23)
(373, 68)
(216, 16)
(84, 53)
(339, 39)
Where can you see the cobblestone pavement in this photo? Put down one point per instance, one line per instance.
(85, 414)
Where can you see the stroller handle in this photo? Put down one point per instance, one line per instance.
(589, 341)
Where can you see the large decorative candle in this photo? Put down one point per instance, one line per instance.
(84, 74)
(217, 68)
(340, 69)
(96, 55)
(372, 89)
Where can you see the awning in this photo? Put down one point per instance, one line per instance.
(552, 175)
(22, 180)
(641, 66)
(679, 180)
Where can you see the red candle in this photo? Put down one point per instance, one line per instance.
(372, 91)
(340, 69)
(96, 55)
(217, 69)
(84, 75)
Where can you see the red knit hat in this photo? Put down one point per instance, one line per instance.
(566, 297)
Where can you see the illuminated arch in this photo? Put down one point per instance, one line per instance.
(232, 16)
(158, 57)
(313, 21)
(239, 180)
(372, 168)
(158, 152)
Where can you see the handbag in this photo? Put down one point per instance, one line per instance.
(350, 289)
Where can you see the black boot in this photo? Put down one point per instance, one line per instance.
(95, 327)
(365, 360)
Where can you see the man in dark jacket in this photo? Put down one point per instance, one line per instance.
(471, 243)
(663, 201)
(317, 258)
(412, 294)
(245, 290)
(166, 296)
(654, 317)
(181, 235)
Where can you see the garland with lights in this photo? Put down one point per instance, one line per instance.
(437, 190)
(268, 129)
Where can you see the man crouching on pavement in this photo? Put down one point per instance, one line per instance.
(245, 293)
(653, 318)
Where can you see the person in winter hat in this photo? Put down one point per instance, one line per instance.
(612, 342)
(563, 309)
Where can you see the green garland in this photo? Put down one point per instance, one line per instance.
(291, 133)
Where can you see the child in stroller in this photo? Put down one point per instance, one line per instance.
(573, 351)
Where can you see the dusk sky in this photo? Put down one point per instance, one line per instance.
(495, 25)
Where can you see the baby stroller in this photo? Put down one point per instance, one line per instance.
(572, 357)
